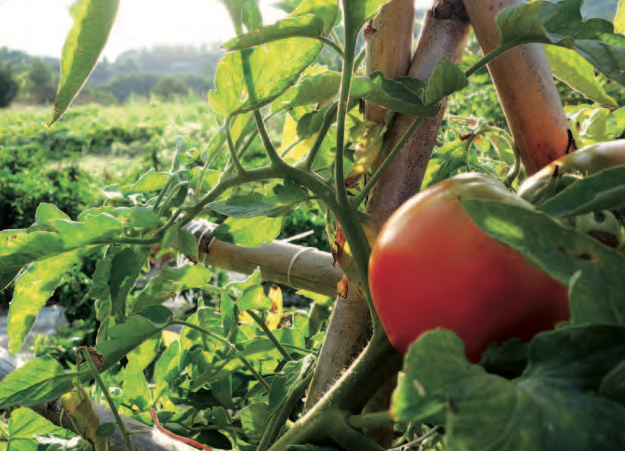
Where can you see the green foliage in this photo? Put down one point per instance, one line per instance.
(8, 86)
(169, 87)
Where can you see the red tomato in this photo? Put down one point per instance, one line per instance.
(431, 267)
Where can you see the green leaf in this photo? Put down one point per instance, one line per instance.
(445, 162)
(106, 430)
(604, 190)
(33, 288)
(45, 213)
(168, 368)
(148, 182)
(571, 68)
(395, 94)
(446, 79)
(553, 405)
(249, 232)
(171, 281)
(97, 227)
(123, 338)
(19, 247)
(40, 380)
(251, 15)
(29, 431)
(250, 294)
(311, 89)
(139, 217)
(229, 320)
(613, 384)
(187, 243)
(93, 20)
(356, 13)
(562, 24)
(592, 270)
(250, 79)
(254, 419)
(619, 19)
(309, 26)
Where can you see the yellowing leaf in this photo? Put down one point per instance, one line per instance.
(368, 139)
(274, 317)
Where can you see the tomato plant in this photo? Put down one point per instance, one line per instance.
(432, 267)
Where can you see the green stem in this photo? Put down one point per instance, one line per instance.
(348, 65)
(165, 188)
(514, 170)
(233, 152)
(335, 36)
(170, 197)
(337, 48)
(328, 119)
(270, 335)
(492, 55)
(225, 341)
(350, 439)
(264, 136)
(96, 375)
(370, 420)
(370, 371)
(281, 415)
(360, 58)
(362, 195)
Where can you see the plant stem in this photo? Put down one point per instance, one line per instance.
(328, 119)
(165, 188)
(283, 411)
(374, 366)
(264, 136)
(96, 375)
(270, 335)
(233, 152)
(335, 46)
(368, 420)
(492, 55)
(386, 163)
(348, 65)
(360, 58)
(232, 346)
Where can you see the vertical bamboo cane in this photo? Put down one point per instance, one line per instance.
(526, 90)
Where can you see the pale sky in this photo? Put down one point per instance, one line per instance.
(40, 26)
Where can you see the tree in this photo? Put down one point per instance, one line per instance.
(8, 86)
(170, 87)
(38, 83)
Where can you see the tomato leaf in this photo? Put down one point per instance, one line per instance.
(300, 26)
(249, 232)
(604, 190)
(571, 68)
(123, 338)
(39, 380)
(93, 20)
(592, 270)
(533, 412)
(29, 431)
(170, 281)
(254, 419)
(33, 288)
(562, 24)
(249, 79)
(446, 79)
(148, 182)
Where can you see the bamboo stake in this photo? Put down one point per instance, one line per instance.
(280, 262)
(526, 90)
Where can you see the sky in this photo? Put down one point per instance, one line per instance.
(40, 26)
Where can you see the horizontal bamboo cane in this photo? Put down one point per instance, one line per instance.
(280, 262)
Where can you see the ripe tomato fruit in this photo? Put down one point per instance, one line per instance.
(431, 267)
